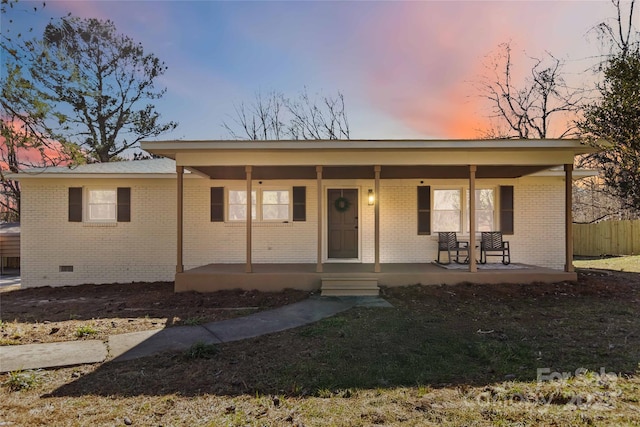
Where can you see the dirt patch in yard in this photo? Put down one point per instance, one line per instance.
(40, 315)
(594, 283)
(443, 355)
(96, 311)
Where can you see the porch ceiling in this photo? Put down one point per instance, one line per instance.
(367, 172)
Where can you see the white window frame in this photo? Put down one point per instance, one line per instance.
(435, 211)
(467, 216)
(88, 204)
(289, 204)
(258, 206)
(228, 205)
(463, 227)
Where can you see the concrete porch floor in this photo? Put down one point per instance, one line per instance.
(276, 277)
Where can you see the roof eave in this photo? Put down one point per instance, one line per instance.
(45, 175)
(171, 148)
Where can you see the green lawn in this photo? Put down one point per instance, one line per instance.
(629, 263)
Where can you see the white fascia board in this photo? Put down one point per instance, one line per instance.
(170, 148)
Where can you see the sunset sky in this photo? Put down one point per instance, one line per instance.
(406, 69)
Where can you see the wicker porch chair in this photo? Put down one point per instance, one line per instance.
(448, 242)
(491, 244)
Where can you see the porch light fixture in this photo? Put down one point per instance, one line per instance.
(372, 197)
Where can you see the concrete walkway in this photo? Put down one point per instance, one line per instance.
(147, 343)
(7, 280)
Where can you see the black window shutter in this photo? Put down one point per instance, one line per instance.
(124, 204)
(217, 204)
(506, 209)
(75, 204)
(424, 210)
(299, 203)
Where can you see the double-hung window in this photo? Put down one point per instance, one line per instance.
(447, 210)
(275, 205)
(102, 205)
(266, 205)
(485, 212)
(451, 211)
(238, 205)
(99, 204)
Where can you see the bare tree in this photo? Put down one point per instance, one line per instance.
(262, 119)
(327, 120)
(20, 149)
(274, 117)
(620, 37)
(526, 109)
(614, 117)
(593, 202)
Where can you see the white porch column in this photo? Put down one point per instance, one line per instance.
(179, 220)
(248, 170)
(568, 215)
(377, 169)
(472, 218)
(319, 203)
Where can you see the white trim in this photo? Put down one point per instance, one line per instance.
(227, 205)
(258, 190)
(355, 144)
(464, 205)
(86, 202)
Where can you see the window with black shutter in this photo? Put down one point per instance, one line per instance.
(124, 204)
(299, 203)
(75, 204)
(217, 204)
(506, 209)
(424, 210)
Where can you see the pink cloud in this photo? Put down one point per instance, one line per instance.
(426, 56)
(51, 154)
(418, 62)
(413, 62)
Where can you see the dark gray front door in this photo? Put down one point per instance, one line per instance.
(343, 223)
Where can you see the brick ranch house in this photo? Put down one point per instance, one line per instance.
(357, 213)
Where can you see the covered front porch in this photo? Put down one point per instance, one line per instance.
(365, 166)
(276, 277)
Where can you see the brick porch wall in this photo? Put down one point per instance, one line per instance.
(144, 249)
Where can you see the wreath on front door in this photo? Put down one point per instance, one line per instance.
(342, 204)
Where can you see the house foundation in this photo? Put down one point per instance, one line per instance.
(277, 277)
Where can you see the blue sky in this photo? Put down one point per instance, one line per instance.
(405, 68)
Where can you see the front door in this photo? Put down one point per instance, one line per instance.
(343, 223)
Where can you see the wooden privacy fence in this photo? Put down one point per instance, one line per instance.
(607, 238)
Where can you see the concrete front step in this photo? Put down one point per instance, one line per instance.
(340, 286)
